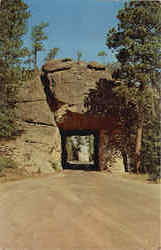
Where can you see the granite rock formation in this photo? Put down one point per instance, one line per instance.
(38, 147)
(67, 85)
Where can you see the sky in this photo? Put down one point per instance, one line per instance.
(74, 25)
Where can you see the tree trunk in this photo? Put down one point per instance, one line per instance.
(125, 161)
(102, 151)
(138, 144)
(128, 163)
(35, 59)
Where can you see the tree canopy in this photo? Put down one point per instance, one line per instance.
(13, 26)
(136, 42)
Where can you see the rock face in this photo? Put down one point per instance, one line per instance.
(67, 88)
(32, 105)
(67, 84)
(38, 148)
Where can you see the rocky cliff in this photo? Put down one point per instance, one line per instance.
(38, 148)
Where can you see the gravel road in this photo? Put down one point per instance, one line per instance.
(79, 210)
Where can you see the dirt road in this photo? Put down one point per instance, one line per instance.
(79, 211)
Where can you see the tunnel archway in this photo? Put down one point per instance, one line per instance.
(77, 165)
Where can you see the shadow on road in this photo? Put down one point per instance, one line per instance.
(81, 166)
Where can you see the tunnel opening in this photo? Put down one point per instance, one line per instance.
(80, 150)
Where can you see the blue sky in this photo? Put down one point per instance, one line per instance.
(75, 25)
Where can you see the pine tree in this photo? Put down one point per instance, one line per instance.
(52, 54)
(79, 56)
(38, 37)
(102, 54)
(13, 21)
(137, 43)
(151, 148)
(106, 101)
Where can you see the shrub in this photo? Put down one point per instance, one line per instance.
(7, 163)
(7, 122)
(8, 95)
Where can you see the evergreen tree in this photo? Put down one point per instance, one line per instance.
(102, 54)
(38, 37)
(79, 56)
(52, 54)
(151, 149)
(151, 144)
(29, 60)
(137, 42)
(13, 20)
(105, 101)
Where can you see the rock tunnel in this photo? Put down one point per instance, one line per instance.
(81, 162)
(67, 85)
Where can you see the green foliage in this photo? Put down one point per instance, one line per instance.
(56, 166)
(79, 55)
(106, 101)
(137, 42)
(151, 149)
(113, 68)
(29, 60)
(7, 122)
(52, 54)
(111, 99)
(38, 37)
(13, 19)
(102, 54)
(9, 84)
(7, 163)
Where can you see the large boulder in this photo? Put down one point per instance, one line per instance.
(32, 105)
(57, 65)
(38, 148)
(67, 89)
